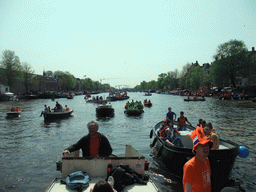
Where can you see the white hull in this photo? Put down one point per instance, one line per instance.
(97, 170)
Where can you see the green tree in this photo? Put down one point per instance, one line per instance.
(231, 62)
(66, 81)
(11, 67)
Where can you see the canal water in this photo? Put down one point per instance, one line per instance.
(30, 146)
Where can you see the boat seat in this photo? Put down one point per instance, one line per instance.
(185, 139)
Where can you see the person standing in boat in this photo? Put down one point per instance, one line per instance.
(197, 171)
(170, 115)
(182, 122)
(93, 145)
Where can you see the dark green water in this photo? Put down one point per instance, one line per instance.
(30, 147)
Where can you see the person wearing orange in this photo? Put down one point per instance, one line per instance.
(67, 108)
(17, 109)
(182, 122)
(197, 171)
(201, 126)
(93, 145)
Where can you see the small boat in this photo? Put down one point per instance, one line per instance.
(147, 104)
(99, 101)
(200, 99)
(12, 114)
(57, 114)
(133, 108)
(105, 110)
(147, 94)
(175, 157)
(70, 96)
(96, 169)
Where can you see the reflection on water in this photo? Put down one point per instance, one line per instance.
(30, 146)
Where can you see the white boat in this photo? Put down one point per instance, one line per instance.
(97, 170)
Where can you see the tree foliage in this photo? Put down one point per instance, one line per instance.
(11, 67)
(231, 62)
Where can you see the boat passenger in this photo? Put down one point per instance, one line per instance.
(200, 128)
(67, 108)
(12, 109)
(195, 96)
(182, 122)
(101, 186)
(171, 138)
(199, 122)
(197, 171)
(93, 145)
(17, 109)
(212, 136)
(45, 110)
(49, 109)
(170, 114)
(210, 126)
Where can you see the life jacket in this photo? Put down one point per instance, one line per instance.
(182, 121)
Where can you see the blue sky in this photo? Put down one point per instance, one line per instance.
(122, 42)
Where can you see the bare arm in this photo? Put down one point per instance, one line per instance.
(188, 187)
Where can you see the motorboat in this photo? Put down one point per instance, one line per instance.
(105, 110)
(174, 157)
(57, 114)
(96, 169)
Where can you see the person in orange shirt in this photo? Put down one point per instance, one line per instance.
(17, 109)
(67, 108)
(182, 122)
(197, 171)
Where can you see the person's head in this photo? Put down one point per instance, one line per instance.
(200, 144)
(200, 121)
(102, 186)
(65, 105)
(209, 125)
(203, 123)
(170, 109)
(181, 113)
(207, 130)
(93, 127)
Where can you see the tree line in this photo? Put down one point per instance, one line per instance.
(13, 71)
(232, 63)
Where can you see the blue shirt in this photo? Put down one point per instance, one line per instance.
(170, 115)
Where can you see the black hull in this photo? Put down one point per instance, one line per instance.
(221, 161)
(148, 104)
(194, 99)
(57, 115)
(118, 98)
(105, 112)
(12, 114)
